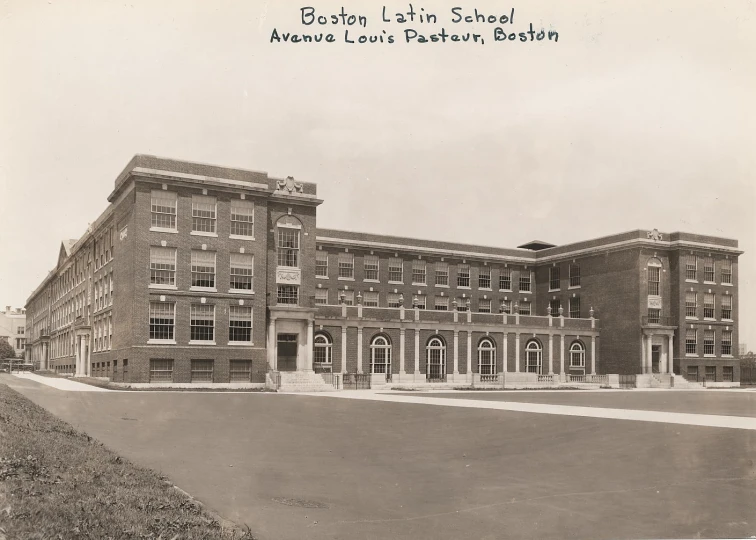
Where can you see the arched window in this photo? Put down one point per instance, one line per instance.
(436, 358)
(486, 357)
(322, 359)
(534, 356)
(380, 355)
(577, 356)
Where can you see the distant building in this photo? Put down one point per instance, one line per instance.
(743, 348)
(13, 328)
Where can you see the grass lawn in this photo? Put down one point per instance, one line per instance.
(56, 482)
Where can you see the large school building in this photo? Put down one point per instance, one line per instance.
(205, 274)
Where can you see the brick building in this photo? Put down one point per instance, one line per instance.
(198, 273)
(13, 329)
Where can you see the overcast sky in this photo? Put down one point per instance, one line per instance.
(642, 116)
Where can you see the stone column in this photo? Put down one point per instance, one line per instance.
(504, 364)
(359, 349)
(551, 354)
(343, 349)
(469, 356)
(649, 362)
(88, 348)
(517, 352)
(309, 351)
(456, 352)
(564, 367)
(593, 355)
(401, 353)
(671, 359)
(272, 344)
(416, 374)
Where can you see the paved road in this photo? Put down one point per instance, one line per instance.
(395, 470)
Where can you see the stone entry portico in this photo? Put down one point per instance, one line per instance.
(662, 337)
(291, 321)
(83, 351)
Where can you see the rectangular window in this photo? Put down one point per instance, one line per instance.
(708, 306)
(242, 218)
(691, 304)
(202, 322)
(442, 273)
(690, 267)
(525, 308)
(346, 265)
(524, 281)
(484, 305)
(418, 272)
(348, 297)
(288, 247)
(709, 270)
(461, 304)
(203, 213)
(727, 271)
(463, 275)
(574, 275)
(691, 341)
(163, 209)
(288, 294)
(441, 303)
(321, 263)
(725, 307)
(726, 342)
(555, 305)
(321, 297)
(711, 373)
(654, 275)
(203, 269)
(484, 277)
(240, 370)
(242, 271)
(396, 270)
(708, 342)
(161, 370)
(505, 279)
(554, 278)
(575, 307)
(692, 373)
(394, 300)
(202, 371)
(370, 299)
(727, 373)
(371, 267)
(240, 324)
(654, 316)
(162, 320)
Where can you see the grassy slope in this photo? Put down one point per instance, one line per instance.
(56, 482)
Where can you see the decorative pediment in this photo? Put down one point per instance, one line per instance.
(289, 185)
(654, 235)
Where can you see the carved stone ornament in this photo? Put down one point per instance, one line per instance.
(290, 185)
(654, 235)
(290, 277)
(123, 234)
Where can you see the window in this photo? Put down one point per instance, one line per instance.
(524, 308)
(380, 355)
(690, 267)
(708, 306)
(288, 294)
(654, 277)
(435, 353)
(442, 273)
(726, 342)
(240, 370)
(711, 373)
(202, 371)
(574, 275)
(161, 370)
(163, 209)
(555, 305)
(396, 273)
(727, 373)
(421, 301)
(463, 275)
(461, 304)
(554, 278)
(203, 214)
(202, 322)
(242, 271)
(346, 265)
(203, 269)
(394, 300)
(725, 307)
(322, 352)
(418, 272)
(505, 279)
(654, 316)
(691, 340)
(708, 342)
(162, 320)
(575, 307)
(534, 355)
(240, 324)
(727, 271)
(708, 270)
(524, 281)
(371, 267)
(321, 297)
(242, 218)
(370, 299)
(577, 355)
(484, 277)
(486, 357)
(321, 263)
(288, 247)
(691, 304)
(484, 305)
(506, 306)
(692, 373)
(441, 303)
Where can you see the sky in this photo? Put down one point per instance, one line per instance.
(640, 116)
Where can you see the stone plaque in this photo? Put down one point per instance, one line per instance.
(654, 302)
(289, 276)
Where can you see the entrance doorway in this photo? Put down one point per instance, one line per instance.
(287, 352)
(655, 357)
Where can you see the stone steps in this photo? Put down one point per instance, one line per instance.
(300, 381)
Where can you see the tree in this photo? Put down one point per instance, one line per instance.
(6, 351)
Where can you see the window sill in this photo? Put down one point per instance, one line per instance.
(241, 291)
(525, 292)
(162, 287)
(710, 356)
(371, 280)
(161, 341)
(396, 283)
(419, 284)
(203, 289)
(201, 342)
(573, 287)
(555, 290)
(710, 282)
(240, 237)
(489, 289)
(442, 286)
(726, 284)
(712, 319)
(728, 320)
(689, 318)
(203, 233)
(727, 356)
(164, 230)
(463, 287)
(346, 278)
(505, 290)
(322, 277)
(691, 355)
(240, 343)
(691, 281)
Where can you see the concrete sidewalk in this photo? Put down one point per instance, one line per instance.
(60, 383)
